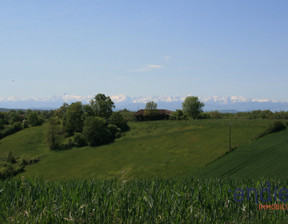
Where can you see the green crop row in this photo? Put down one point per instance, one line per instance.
(137, 201)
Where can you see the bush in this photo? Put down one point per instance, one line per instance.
(127, 115)
(116, 132)
(276, 126)
(34, 118)
(67, 144)
(11, 129)
(117, 119)
(96, 131)
(11, 166)
(54, 134)
(273, 127)
(25, 124)
(79, 140)
(178, 115)
(215, 114)
(203, 116)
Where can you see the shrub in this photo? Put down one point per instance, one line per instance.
(127, 115)
(276, 126)
(178, 115)
(34, 119)
(117, 119)
(67, 143)
(96, 131)
(11, 129)
(273, 127)
(10, 165)
(116, 132)
(215, 114)
(79, 140)
(203, 116)
(25, 124)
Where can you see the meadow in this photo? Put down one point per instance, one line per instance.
(156, 149)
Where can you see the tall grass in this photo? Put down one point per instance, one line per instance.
(137, 201)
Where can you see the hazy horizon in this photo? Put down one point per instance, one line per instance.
(235, 103)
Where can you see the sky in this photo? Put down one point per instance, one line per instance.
(144, 48)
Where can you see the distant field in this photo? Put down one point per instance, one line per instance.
(158, 149)
(266, 157)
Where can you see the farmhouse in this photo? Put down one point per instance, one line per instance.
(149, 115)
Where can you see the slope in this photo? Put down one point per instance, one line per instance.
(266, 157)
(158, 149)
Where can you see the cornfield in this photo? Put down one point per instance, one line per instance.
(133, 201)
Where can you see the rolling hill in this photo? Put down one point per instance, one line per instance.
(266, 157)
(158, 149)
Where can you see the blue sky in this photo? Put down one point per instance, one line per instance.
(144, 48)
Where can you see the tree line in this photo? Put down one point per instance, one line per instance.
(192, 108)
(16, 120)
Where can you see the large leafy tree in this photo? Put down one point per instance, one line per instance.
(74, 118)
(96, 131)
(102, 105)
(192, 106)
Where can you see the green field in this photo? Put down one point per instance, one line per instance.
(158, 149)
(135, 201)
(266, 157)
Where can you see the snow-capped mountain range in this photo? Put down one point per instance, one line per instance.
(229, 103)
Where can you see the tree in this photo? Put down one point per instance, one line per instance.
(102, 105)
(178, 115)
(2, 116)
(151, 105)
(151, 109)
(54, 134)
(34, 118)
(192, 106)
(117, 119)
(13, 116)
(61, 111)
(127, 115)
(74, 118)
(96, 131)
(215, 114)
(88, 111)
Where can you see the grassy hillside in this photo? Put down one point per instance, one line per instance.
(29, 142)
(266, 157)
(158, 149)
